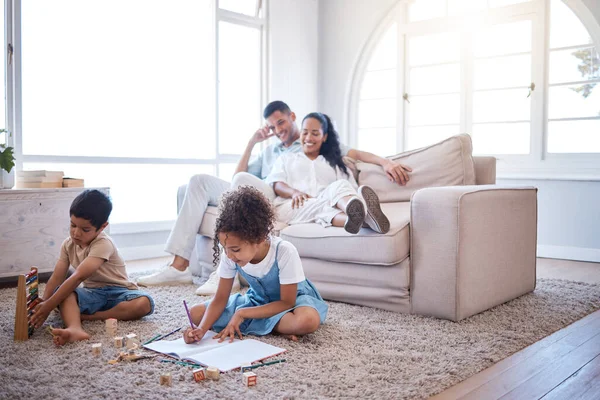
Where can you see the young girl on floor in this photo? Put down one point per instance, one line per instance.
(279, 299)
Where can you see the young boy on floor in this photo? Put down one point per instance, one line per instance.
(106, 292)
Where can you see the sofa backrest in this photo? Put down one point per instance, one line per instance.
(485, 170)
(447, 163)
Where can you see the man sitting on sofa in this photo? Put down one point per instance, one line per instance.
(204, 190)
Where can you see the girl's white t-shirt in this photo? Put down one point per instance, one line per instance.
(290, 266)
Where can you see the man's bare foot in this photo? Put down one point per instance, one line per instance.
(68, 335)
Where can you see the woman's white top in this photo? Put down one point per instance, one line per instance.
(290, 266)
(306, 175)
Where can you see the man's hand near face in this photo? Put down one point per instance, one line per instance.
(261, 135)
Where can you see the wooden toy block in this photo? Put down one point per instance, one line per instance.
(132, 341)
(166, 379)
(119, 342)
(246, 367)
(111, 326)
(213, 373)
(249, 378)
(199, 374)
(97, 349)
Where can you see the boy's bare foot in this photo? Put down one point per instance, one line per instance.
(68, 335)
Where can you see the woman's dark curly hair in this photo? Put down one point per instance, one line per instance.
(245, 212)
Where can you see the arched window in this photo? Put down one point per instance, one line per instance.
(520, 76)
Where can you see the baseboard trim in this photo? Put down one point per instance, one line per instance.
(142, 252)
(569, 253)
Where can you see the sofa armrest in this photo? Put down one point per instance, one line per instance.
(472, 248)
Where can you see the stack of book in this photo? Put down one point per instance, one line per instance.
(72, 182)
(39, 179)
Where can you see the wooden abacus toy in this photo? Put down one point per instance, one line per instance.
(27, 299)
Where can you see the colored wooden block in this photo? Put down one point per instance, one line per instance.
(199, 374)
(97, 349)
(166, 379)
(132, 341)
(119, 342)
(213, 373)
(249, 378)
(111, 326)
(245, 367)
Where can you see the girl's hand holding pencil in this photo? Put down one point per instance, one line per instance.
(193, 335)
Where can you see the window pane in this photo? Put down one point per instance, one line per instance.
(239, 86)
(565, 28)
(503, 39)
(385, 55)
(574, 65)
(379, 85)
(377, 113)
(501, 3)
(247, 7)
(501, 105)
(462, 7)
(421, 10)
(436, 79)
(378, 141)
(434, 49)
(434, 110)
(496, 73)
(574, 136)
(226, 171)
(418, 137)
(139, 192)
(93, 86)
(574, 101)
(501, 138)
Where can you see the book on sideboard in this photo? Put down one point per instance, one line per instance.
(72, 182)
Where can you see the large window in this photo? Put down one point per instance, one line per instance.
(138, 96)
(520, 76)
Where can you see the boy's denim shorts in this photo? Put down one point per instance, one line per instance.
(92, 300)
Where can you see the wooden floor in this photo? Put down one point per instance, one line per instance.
(564, 365)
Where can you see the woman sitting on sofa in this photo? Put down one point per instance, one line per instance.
(315, 185)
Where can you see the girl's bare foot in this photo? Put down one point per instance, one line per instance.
(68, 335)
(293, 338)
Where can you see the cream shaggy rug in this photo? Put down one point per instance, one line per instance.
(359, 352)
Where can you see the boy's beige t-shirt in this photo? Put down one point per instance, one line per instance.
(111, 273)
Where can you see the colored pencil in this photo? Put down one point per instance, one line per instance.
(189, 315)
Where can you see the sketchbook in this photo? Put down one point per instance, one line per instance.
(210, 353)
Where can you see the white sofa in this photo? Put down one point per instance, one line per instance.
(458, 244)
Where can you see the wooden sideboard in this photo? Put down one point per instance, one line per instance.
(33, 225)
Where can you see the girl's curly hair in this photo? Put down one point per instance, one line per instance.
(245, 212)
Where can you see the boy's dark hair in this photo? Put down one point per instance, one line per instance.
(93, 206)
(245, 212)
(331, 148)
(276, 105)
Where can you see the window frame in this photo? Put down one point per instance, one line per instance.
(538, 164)
(13, 95)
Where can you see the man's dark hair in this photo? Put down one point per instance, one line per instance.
(92, 205)
(276, 105)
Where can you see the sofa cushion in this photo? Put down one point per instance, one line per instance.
(447, 163)
(366, 247)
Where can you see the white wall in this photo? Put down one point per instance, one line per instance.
(294, 53)
(569, 212)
